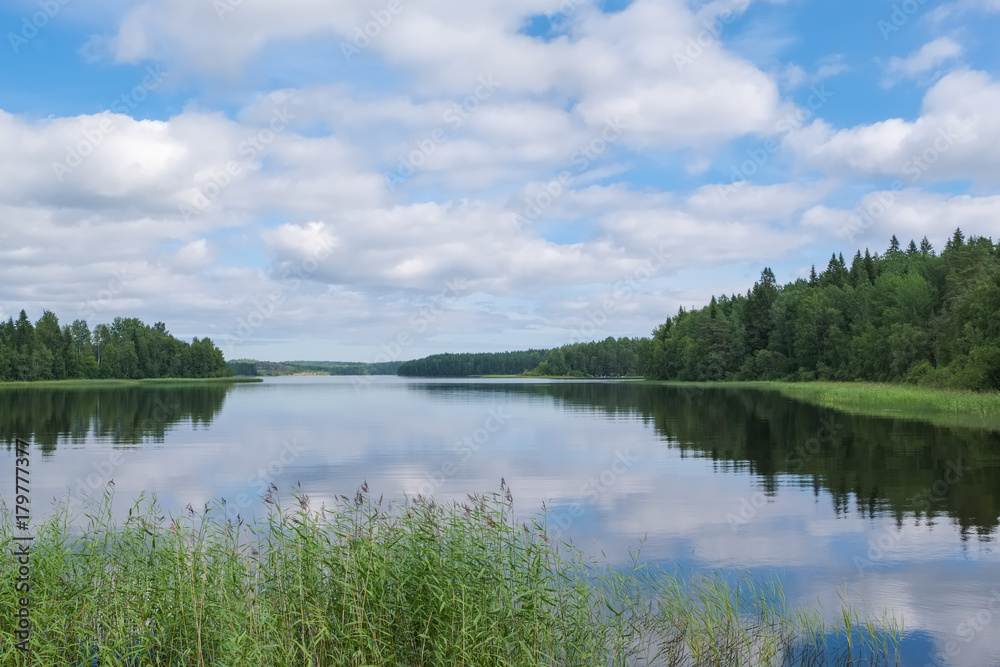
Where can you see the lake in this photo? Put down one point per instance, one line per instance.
(902, 513)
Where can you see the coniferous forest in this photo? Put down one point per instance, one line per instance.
(908, 315)
(124, 349)
(474, 363)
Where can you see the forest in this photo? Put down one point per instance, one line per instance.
(474, 363)
(125, 349)
(606, 358)
(609, 358)
(908, 315)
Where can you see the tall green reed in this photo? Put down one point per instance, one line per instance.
(362, 583)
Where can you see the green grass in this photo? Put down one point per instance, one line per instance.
(97, 384)
(362, 584)
(943, 407)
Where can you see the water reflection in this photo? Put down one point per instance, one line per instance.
(712, 479)
(881, 466)
(128, 415)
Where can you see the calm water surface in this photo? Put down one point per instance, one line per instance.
(902, 513)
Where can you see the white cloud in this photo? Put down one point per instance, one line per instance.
(911, 213)
(623, 65)
(956, 137)
(194, 255)
(929, 57)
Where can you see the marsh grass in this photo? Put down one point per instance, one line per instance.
(942, 407)
(360, 583)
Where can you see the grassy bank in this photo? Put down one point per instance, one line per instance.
(97, 384)
(944, 407)
(358, 584)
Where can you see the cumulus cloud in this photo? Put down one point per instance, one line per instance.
(446, 144)
(956, 136)
(929, 57)
(655, 65)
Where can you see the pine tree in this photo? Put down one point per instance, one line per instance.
(813, 279)
(957, 240)
(926, 248)
(858, 272)
(893, 246)
(911, 250)
(757, 317)
(870, 267)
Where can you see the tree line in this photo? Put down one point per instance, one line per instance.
(908, 315)
(125, 349)
(605, 358)
(474, 363)
(254, 367)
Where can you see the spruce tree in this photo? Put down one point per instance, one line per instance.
(870, 267)
(858, 272)
(893, 246)
(957, 240)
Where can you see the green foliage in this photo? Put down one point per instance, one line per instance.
(474, 363)
(906, 316)
(358, 584)
(606, 358)
(125, 349)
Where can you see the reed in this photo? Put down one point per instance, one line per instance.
(360, 583)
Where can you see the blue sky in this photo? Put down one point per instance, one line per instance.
(386, 179)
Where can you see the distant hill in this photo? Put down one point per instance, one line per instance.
(255, 368)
